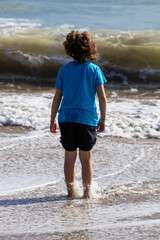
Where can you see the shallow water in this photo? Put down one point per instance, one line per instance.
(125, 191)
(126, 183)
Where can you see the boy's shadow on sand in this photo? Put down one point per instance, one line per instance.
(27, 201)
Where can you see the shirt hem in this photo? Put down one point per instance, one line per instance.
(94, 125)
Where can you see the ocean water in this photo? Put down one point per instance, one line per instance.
(127, 35)
(103, 15)
(125, 192)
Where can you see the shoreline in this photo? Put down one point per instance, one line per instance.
(120, 80)
(20, 130)
(14, 129)
(125, 197)
(43, 84)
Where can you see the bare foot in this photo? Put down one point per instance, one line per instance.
(70, 189)
(86, 192)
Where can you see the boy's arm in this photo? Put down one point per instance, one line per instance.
(103, 108)
(55, 105)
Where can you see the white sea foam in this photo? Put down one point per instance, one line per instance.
(133, 119)
(26, 110)
(18, 23)
(66, 26)
(125, 117)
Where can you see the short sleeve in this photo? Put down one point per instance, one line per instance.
(100, 78)
(59, 79)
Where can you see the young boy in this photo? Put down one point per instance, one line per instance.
(76, 87)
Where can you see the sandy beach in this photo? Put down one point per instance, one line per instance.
(125, 196)
(126, 183)
(125, 192)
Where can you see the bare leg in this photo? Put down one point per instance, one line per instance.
(86, 162)
(69, 171)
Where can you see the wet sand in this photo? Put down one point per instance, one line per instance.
(14, 130)
(125, 192)
(126, 183)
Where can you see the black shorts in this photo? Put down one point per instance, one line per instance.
(76, 135)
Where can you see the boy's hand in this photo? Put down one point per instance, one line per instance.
(101, 126)
(53, 126)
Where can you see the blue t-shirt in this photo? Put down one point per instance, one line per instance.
(78, 83)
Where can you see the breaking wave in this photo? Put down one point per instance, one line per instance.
(36, 54)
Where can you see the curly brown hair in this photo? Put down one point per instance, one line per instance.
(80, 46)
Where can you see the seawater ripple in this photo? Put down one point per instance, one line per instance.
(129, 165)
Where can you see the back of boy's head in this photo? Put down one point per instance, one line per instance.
(80, 46)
